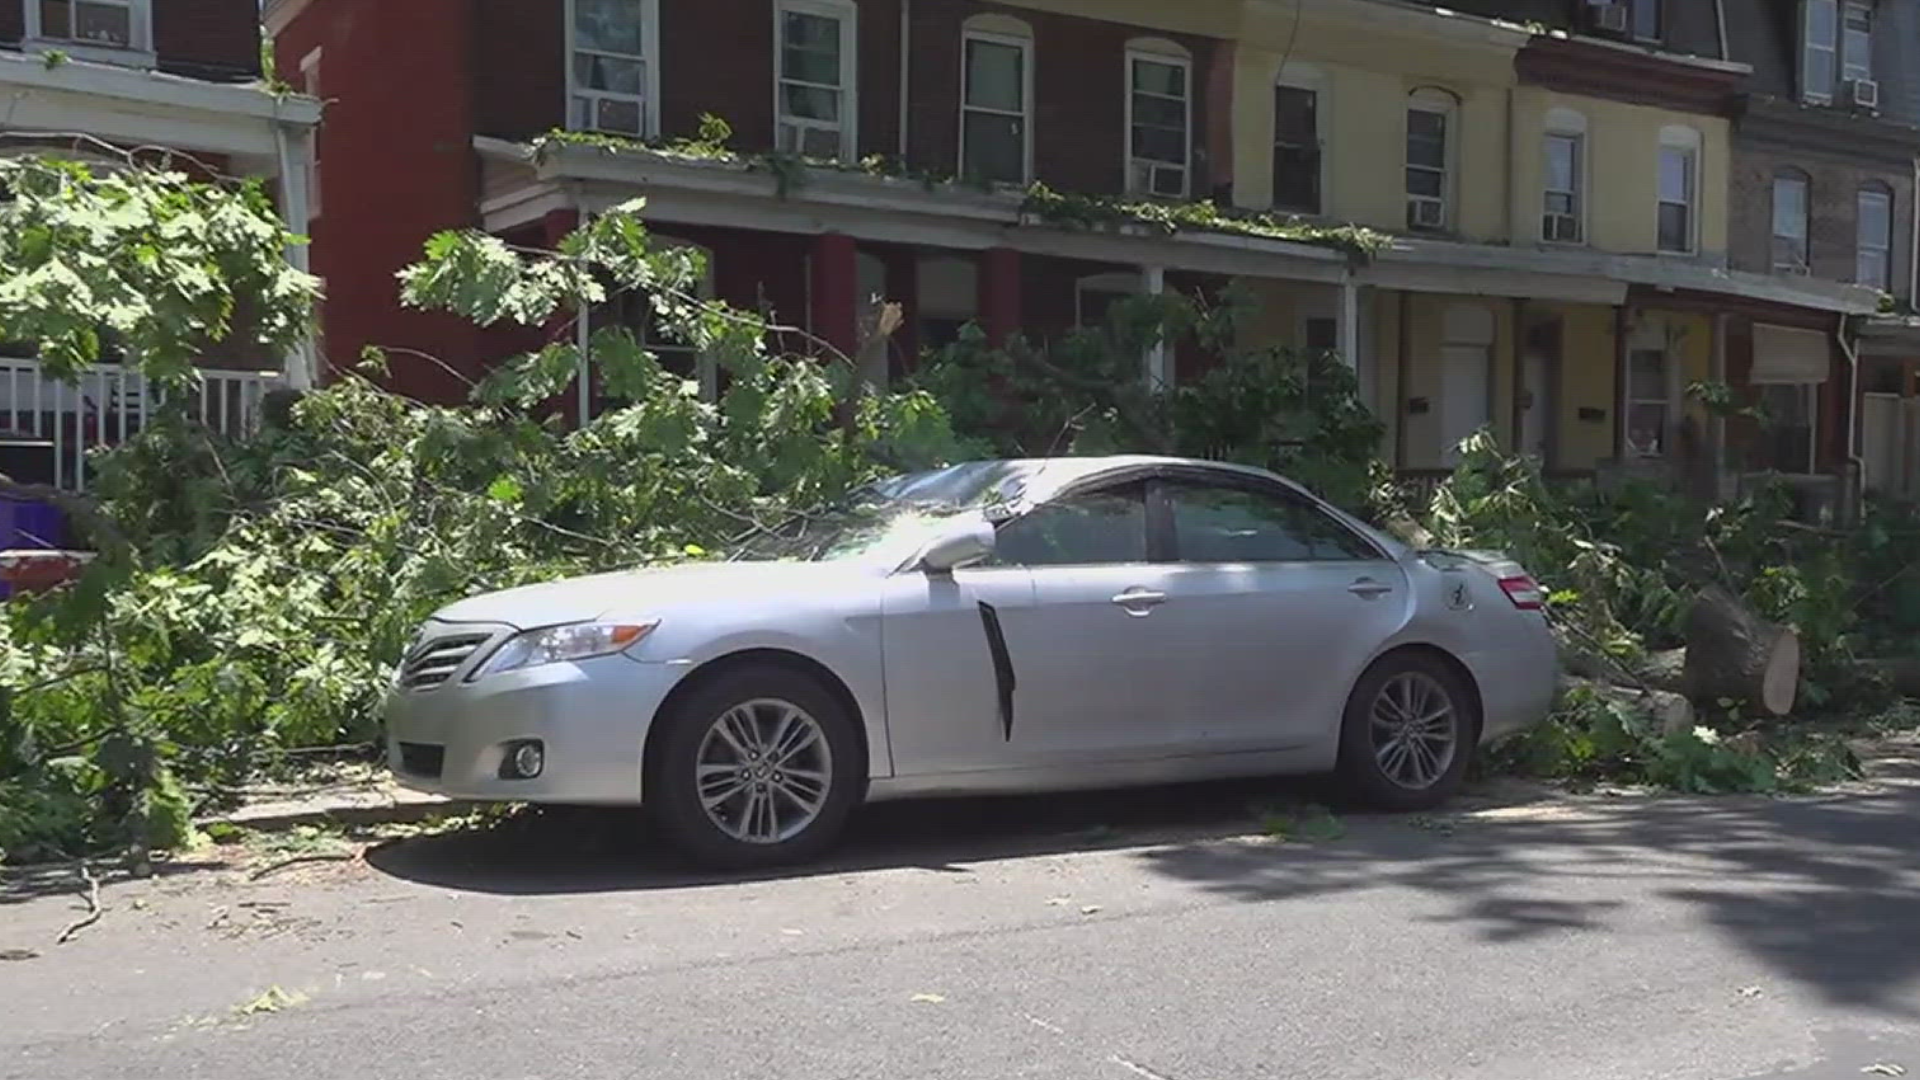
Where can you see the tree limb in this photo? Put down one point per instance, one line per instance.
(93, 907)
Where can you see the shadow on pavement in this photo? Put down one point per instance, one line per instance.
(1825, 891)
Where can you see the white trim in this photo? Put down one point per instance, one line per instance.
(310, 85)
(1434, 101)
(649, 55)
(1689, 141)
(277, 15)
(1883, 244)
(1848, 10)
(1158, 362)
(1808, 92)
(138, 52)
(21, 75)
(847, 14)
(971, 33)
(1157, 51)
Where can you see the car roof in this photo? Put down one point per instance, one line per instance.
(1040, 478)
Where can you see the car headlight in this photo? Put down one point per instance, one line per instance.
(559, 644)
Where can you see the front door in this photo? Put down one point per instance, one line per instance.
(1049, 656)
(1465, 372)
(1275, 607)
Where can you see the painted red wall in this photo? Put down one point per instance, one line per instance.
(397, 165)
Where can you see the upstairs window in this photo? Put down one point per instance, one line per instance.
(1819, 49)
(1564, 209)
(996, 129)
(118, 25)
(1679, 190)
(1873, 245)
(1643, 19)
(1159, 120)
(1429, 187)
(1790, 205)
(612, 71)
(1296, 149)
(817, 78)
(1856, 42)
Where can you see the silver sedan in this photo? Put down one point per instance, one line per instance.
(1003, 626)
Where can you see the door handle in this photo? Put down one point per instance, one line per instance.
(1369, 589)
(1140, 602)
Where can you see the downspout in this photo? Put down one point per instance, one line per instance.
(1913, 258)
(1720, 23)
(906, 65)
(583, 331)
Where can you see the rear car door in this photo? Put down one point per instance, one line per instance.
(1274, 608)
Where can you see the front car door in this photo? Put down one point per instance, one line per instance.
(1274, 609)
(1046, 656)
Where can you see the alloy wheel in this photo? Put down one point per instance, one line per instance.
(1414, 730)
(764, 771)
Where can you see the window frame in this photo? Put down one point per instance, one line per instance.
(1810, 399)
(706, 368)
(1664, 400)
(1428, 100)
(1138, 53)
(1636, 9)
(847, 14)
(650, 84)
(139, 48)
(1690, 147)
(1024, 43)
(1316, 89)
(1883, 193)
(1577, 196)
(1848, 72)
(310, 85)
(1810, 92)
(1791, 177)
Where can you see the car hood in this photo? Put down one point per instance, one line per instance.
(650, 592)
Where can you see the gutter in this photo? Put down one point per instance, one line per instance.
(1720, 24)
(304, 374)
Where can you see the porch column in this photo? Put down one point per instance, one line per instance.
(1000, 294)
(835, 289)
(1153, 282)
(1349, 328)
(296, 154)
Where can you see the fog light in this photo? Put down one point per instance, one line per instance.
(524, 761)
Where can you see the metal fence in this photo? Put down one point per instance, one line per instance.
(47, 426)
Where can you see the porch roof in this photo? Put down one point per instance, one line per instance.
(520, 186)
(149, 108)
(1896, 336)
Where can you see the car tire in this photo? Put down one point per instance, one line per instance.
(733, 789)
(1408, 734)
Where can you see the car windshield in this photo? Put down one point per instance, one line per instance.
(888, 515)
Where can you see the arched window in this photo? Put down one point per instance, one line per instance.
(996, 100)
(1679, 185)
(1873, 237)
(1159, 118)
(1792, 193)
(1432, 115)
(1563, 217)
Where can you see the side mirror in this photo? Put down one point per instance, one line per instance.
(960, 544)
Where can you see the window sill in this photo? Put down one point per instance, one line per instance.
(96, 54)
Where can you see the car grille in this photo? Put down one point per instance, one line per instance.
(435, 661)
(423, 759)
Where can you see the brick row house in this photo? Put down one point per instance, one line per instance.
(1572, 245)
(94, 79)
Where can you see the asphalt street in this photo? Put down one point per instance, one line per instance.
(1141, 935)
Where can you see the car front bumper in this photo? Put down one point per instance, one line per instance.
(590, 717)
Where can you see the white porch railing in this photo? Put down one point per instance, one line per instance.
(45, 420)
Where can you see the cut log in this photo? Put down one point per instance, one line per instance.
(1666, 669)
(1733, 653)
(1665, 711)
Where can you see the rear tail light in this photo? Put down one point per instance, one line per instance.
(1524, 592)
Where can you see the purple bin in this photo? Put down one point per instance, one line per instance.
(25, 524)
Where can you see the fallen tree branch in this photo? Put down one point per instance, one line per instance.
(93, 907)
(301, 860)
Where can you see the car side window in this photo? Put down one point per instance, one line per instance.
(1235, 525)
(1102, 527)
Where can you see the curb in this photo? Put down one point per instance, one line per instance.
(399, 813)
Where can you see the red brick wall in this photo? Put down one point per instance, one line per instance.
(1079, 134)
(520, 88)
(208, 39)
(397, 165)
